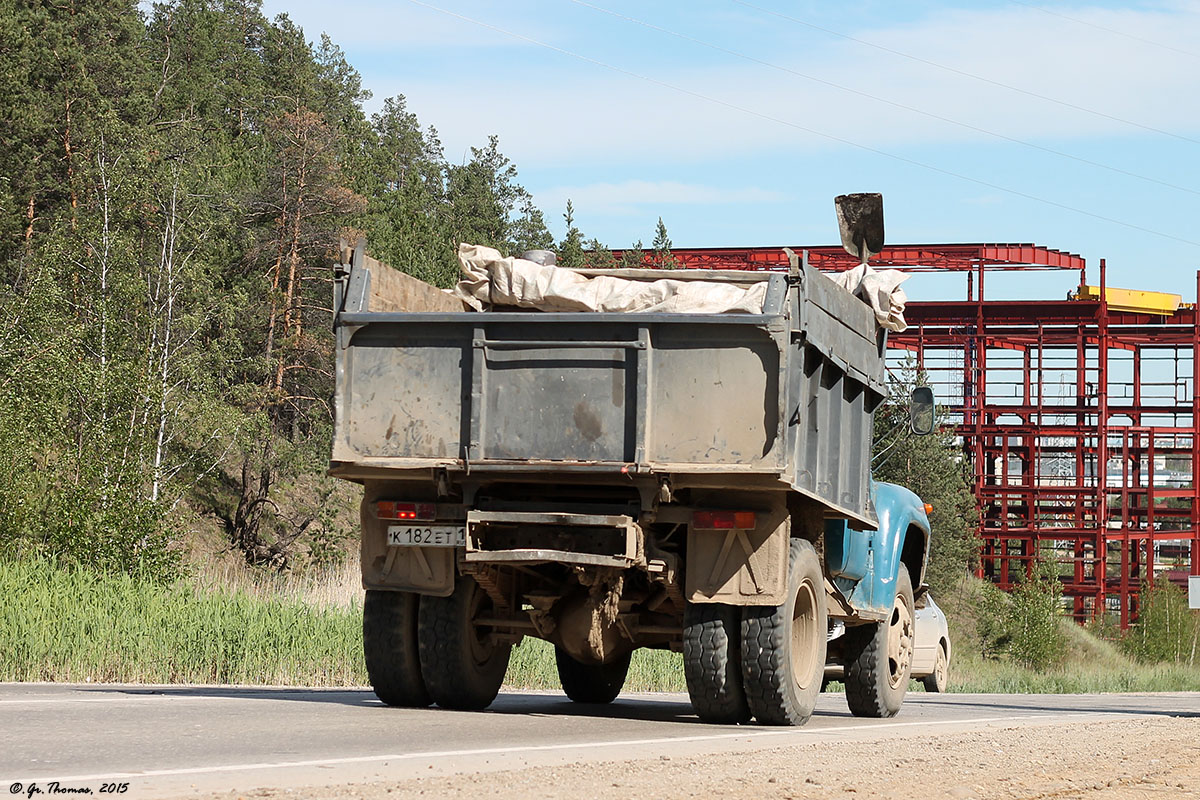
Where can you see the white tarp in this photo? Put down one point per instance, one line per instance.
(490, 279)
(880, 289)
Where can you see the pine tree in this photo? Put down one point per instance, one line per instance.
(633, 256)
(570, 249)
(599, 257)
(489, 207)
(931, 466)
(407, 221)
(171, 187)
(662, 248)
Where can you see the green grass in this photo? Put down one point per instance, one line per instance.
(60, 624)
(1087, 663)
(532, 667)
(976, 675)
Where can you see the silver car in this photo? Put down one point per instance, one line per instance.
(931, 647)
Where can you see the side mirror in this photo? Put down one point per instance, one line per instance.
(920, 411)
(860, 222)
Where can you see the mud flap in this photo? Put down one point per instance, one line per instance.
(740, 567)
(426, 570)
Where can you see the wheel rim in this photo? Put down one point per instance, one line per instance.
(941, 670)
(900, 643)
(804, 631)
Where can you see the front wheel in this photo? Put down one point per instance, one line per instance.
(463, 663)
(783, 647)
(591, 683)
(879, 658)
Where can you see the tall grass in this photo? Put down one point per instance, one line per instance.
(337, 585)
(68, 624)
(976, 675)
(1081, 660)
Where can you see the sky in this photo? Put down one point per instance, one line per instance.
(1072, 125)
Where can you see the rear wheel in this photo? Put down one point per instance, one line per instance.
(463, 663)
(712, 663)
(591, 683)
(940, 678)
(879, 658)
(390, 648)
(783, 647)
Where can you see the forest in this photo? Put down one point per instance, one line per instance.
(174, 182)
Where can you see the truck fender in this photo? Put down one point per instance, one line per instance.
(902, 540)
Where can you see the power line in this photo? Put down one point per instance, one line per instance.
(1108, 30)
(966, 74)
(796, 126)
(878, 99)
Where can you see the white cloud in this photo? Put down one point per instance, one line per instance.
(627, 197)
(394, 24)
(585, 112)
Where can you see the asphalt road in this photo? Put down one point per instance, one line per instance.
(173, 740)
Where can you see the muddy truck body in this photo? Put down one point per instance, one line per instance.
(613, 481)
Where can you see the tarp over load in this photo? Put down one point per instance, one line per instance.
(489, 279)
(880, 289)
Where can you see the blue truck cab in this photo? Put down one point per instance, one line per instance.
(865, 564)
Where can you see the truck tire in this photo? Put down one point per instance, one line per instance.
(879, 658)
(591, 683)
(390, 648)
(462, 663)
(712, 663)
(783, 647)
(940, 678)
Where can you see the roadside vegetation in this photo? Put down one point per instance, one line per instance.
(1023, 643)
(65, 623)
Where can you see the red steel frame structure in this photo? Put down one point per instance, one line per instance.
(1081, 423)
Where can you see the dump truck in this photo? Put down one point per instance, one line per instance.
(672, 477)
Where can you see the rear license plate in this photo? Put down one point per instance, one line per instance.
(427, 535)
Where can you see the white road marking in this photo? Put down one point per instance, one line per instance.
(151, 695)
(48, 701)
(542, 748)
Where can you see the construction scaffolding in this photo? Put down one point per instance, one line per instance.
(1079, 417)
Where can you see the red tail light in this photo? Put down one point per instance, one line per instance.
(724, 520)
(417, 512)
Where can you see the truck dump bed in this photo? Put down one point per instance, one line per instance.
(779, 399)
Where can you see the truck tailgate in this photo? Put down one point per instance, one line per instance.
(654, 389)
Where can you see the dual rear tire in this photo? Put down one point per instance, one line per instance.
(768, 662)
(422, 650)
(765, 662)
(391, 650)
